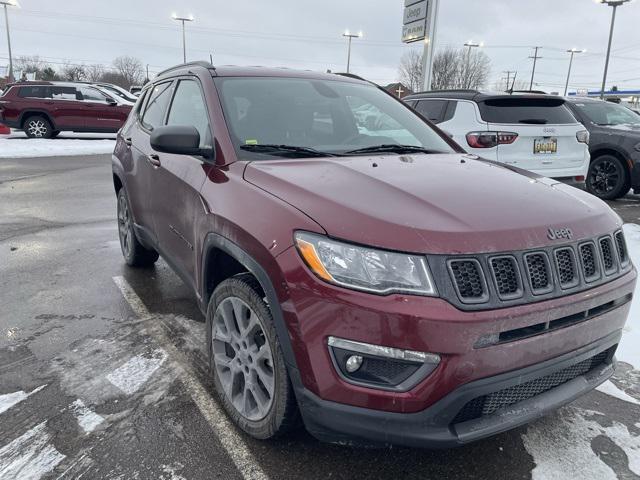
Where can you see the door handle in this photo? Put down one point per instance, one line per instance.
(128, 142)
(154, 160)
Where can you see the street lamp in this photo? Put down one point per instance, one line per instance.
(470, 44)
(573, 51)
(184, 41)
(5, 4)
(615, 4)
(350, 36)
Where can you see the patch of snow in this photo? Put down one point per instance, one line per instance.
(17, 145)
(133, 374)
(87, 419)
(30, 456)
(172, 471)
(561, 446)
(610, 388)
(629, 349)
(10, 399)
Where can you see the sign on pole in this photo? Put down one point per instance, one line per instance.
(419, 24)
(415, 20)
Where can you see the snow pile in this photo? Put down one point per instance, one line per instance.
(17, 145)
(629, 349)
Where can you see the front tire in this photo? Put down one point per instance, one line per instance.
(246, 361)
(608, 178)
(38, 127)
(132, 250)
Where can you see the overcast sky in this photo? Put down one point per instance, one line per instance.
(307, 35)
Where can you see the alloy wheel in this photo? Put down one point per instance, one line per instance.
(37, 128)
(604, 176)
(124, 225)
(243, 359)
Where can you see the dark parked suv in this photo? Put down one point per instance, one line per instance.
(614, 146)
(44, 109)
(366, 274)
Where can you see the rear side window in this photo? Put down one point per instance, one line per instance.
(533, 111)
(64, 93)
(156, 106)
(432, 109)
(188, 108)
(35, 91)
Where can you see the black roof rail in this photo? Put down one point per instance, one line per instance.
(199, 63)
(451, 90)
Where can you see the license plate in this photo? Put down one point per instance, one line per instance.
(545, 146)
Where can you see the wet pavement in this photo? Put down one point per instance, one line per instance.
(103, 371)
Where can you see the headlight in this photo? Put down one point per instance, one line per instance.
(362, 268)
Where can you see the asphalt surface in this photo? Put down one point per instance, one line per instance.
(103, 372)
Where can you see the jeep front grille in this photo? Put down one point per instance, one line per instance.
(488, 280)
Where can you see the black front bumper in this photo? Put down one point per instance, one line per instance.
(435, 427)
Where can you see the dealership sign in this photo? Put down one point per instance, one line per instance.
(415, 20)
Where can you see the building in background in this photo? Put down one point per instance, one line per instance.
(398, 90)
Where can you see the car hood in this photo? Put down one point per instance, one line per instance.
(432, 203)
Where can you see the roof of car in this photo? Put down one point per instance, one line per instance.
(473, 95)
(40, 83)
(256, 71)
(576, 99)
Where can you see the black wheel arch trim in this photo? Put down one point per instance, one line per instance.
(216, 241)
(31, 113)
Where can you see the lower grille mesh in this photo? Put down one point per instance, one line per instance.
(489, 404)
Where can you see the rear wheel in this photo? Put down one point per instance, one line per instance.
(608, 178)
(134, 253)
(246, 360)
(38, 127)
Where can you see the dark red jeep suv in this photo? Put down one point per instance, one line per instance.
(358, 270)
(44, 109)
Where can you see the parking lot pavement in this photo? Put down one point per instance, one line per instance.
(103, 370)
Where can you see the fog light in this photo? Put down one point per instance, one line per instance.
(354, 362)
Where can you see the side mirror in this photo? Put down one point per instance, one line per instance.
(111, 101)
(179, 140)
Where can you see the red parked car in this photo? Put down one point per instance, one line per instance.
(357, 268)
(44, 109)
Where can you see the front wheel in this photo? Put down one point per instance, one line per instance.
(134, 253)
(608, 178)
(250, 376)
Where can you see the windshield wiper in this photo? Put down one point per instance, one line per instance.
(392, 148)
(274, 149)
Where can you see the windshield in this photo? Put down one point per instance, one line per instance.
(322, 116)
(607, 113)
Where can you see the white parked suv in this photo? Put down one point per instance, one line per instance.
(533, 132)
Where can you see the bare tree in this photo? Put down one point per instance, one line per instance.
(94, 72)
(131, 70)
(73, 72)
(452, 68)
(410, 70)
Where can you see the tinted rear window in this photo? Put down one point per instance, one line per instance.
(35, 92)
(543, 111)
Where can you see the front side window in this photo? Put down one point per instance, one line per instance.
(89, 94)
(607, 113)
(188, 108)
(156, 106)
(327, 116)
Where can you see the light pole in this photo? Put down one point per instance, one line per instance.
(470, 44)
(615, 4)
(573, 51)
(5, 4)
(350, 36)
(184, 39)
(535, 58)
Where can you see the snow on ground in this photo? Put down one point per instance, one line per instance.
(17, 145)
(629, 349)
